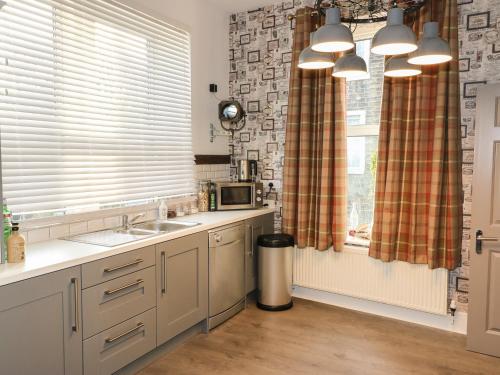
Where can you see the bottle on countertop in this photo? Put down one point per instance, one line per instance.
(7, 224)
(16, 246)
(163, 210)
(212, 205)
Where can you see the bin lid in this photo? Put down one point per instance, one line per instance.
(275, 240)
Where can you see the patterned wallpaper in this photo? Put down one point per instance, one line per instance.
(260, 54)
(260, 57)
(479, 35)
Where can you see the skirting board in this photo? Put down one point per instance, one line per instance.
(443, 322)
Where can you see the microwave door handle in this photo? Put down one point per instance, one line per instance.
(253, 195)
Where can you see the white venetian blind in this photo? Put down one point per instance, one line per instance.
(95, 106)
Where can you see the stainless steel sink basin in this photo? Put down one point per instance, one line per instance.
(120, 236)
(136, 231)
(164, 226)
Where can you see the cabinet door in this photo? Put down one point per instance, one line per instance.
(40, 325)
(254, 228)
(182, 284)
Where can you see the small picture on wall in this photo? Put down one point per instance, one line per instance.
(268, 22)
(244, 137)
(272, 96)
(462, 285)
(244, 39)
(268, 124)
(253, 56)
(470, 88)
(231, 54)
(286, 57)
(253, 106)
(245, 88)
(268, 74)
(497, 112)
(464, 64)
(253, 154)
(287, 5)
(272, 147)
(273, 44)
(284, 110)
(495, 48)
(267, 174)
(478, 21)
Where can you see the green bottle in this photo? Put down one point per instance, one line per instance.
(7, 225)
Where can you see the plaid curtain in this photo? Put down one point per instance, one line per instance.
(418, 195)
(314, 187)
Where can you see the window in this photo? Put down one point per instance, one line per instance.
(95, 107)
(364, 97)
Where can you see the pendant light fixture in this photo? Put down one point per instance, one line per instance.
(395, 38)
(398, 66)
(332, 36)
(431, 48)
(350, 66)
(310, 59)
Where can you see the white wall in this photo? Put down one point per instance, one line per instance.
(209, 28)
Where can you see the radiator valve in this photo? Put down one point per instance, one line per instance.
(453, 309)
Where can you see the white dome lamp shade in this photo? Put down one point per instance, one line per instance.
(310, 59)
(332, 36)
(395, 38)
(431, 48)
(350, 66)
(398, 66)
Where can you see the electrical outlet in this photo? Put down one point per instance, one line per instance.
(213, 87)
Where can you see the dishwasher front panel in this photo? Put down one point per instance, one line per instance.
(227, 269)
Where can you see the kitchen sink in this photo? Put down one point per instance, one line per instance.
(164, 226)
(120, 236)
(136, 231)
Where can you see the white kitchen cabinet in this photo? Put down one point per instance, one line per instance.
(182, 284)
(40, 325)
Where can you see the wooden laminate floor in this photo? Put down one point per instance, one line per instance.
(314, 338)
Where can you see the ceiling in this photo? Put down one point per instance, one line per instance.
(242, 5)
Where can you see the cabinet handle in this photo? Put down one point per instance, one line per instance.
(251, 241)
(163, 273)
(76, 289)
(117, 337)
(133, 263)
(133, 283)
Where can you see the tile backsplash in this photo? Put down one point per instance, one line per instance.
(213, 172)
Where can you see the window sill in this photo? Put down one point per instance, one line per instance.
(355, 249)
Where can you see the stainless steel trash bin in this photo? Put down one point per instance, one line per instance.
(275, 257)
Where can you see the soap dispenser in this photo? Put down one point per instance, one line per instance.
(163, 210)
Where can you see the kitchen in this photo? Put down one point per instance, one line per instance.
(173, 174)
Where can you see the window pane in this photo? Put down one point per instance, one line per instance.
(364, 97)
(362, 156)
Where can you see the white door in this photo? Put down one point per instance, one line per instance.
(483, 331)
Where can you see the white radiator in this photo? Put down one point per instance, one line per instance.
(354, 273)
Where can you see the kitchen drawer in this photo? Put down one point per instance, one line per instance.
(97, 272)
(112, 302)
(113, 349)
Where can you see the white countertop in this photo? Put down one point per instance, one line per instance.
(50, 256)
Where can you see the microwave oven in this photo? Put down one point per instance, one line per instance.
(239, 195)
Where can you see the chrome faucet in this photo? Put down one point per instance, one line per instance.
(128, 222)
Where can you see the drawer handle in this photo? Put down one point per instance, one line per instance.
(118, 337)
(113, 291)
(133, 263)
